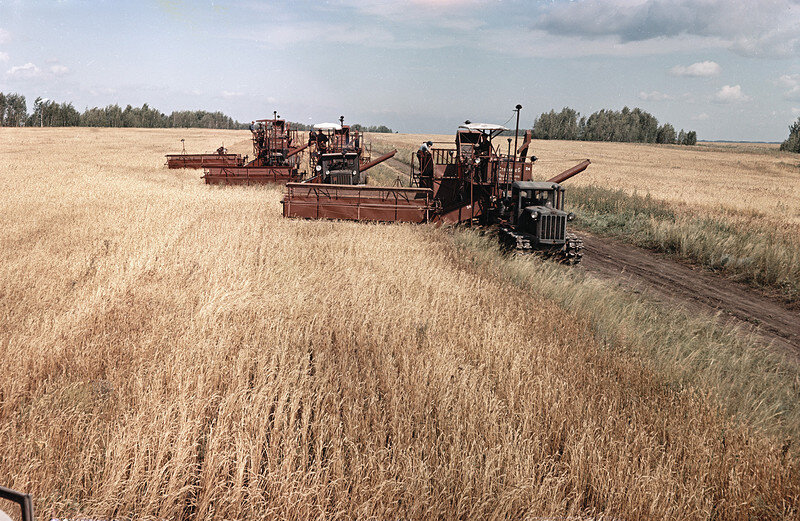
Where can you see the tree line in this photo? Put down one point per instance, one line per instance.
(626, 125)
(48, 113)
(792, 143)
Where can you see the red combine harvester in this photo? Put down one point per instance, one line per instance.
(470, 183)
(218, 158)
(340, 155)
(277, 151)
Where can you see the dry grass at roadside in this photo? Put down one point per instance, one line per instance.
(739, 245)
(171, 350)
(758, 386)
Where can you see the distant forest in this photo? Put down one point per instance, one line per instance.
(47, 113)
(626, 125)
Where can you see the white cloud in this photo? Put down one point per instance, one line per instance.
(33, 71)
(701, 117)
(789, 80)
(102, 91)
(699, 69)
(792, 82)
(730, 94)
(3, 57)
(4, 36)
(59, 70)
(782, 42)
(29, 70)
(655, 96)
(228, 94)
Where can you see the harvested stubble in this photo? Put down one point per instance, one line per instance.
(170, 350)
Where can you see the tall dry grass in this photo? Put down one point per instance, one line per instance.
(170, 350)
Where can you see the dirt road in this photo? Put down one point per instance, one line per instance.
(697, 289)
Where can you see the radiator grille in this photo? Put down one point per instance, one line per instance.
(553, 227)
(341, 178)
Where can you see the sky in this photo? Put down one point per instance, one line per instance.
(728, 69)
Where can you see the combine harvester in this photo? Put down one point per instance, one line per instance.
(277, 157)
(471, 183)
(218, 158)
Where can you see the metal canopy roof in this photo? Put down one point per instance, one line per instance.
(327, 126)
(483, 127)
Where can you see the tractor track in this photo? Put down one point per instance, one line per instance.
(638, 269)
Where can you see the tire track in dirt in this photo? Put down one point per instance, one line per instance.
(638, 269)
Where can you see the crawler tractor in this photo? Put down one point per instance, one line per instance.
(536, 221)
(340, 156)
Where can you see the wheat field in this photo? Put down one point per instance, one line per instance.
(170, 350)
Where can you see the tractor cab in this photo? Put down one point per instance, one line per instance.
(335, 137)
(340, 156)
(537, 209)
(474, 148)
(337, 156)
(325, 136)
(474, 140)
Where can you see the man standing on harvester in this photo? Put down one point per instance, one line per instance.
(425, 159)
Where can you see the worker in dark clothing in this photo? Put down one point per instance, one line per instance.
(425, 164)
(322, 141)
(483, 148)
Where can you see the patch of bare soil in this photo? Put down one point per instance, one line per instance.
(639, 269)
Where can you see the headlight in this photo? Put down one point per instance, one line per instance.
(318, 168)
(355, 173)
(570, 216)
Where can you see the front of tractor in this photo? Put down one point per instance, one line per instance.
(538, 222)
